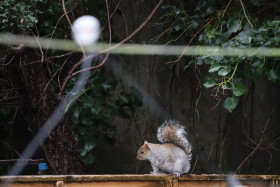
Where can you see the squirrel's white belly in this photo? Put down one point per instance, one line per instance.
(175, 166)
(167, 167)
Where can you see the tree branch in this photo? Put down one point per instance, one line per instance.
(22, 161)
(70, 74)
(110, 40)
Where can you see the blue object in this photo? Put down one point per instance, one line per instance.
(43, 166)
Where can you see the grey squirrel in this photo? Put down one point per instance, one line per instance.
(173, 155)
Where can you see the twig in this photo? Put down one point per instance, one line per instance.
(110, 40)
(137, 30)
(256, 148)
(14, 117)
(37, 39)
(113, 12)
(22, 161)
(156, 38)
(11, 148)
(58, 71)
(211, 150)
(245, 14)
(258, 145)
(198, 89)
(111, 48)
(199, 30)
(194, 164)
(221, 153)
(69, 22)
(179, 35)
(226, 8)
(224, 14)
(216, 104)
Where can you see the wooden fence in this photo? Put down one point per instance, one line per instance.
(140, 180)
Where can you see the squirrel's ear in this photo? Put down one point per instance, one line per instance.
(145, 142)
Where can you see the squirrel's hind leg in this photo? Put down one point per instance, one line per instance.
(177, 174)
(178, 168)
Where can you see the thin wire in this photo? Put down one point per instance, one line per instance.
(139, 49)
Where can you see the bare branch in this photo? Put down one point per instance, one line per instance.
(70, 74)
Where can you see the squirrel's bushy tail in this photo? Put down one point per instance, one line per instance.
(172, 132)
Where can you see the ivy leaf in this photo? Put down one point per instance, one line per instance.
(76, 113)
(272, 75)
(234, 26)
(244, 37)
(89, 146)
(88, 101)
(83, 153)
(136, 97)
(224, 71)
(255, 2)
(210, 31)
(210, 83)
(189, 64)
(89, 159)
(214, 67)
(231, 103)
(122, 100)
(199, 61)
(96, 109)
(239, 89)
(225, 86)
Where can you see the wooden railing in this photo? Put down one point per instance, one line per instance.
(140, 180)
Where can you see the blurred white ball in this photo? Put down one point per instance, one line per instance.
(86, 30)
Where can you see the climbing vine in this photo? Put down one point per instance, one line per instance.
(238, 23)
(92, 113)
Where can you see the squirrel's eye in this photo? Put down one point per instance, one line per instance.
(142, 152)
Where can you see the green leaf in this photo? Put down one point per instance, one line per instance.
(225, 86)
(106, 85)
(210, 83)
(96, 109)
(189, 64)
(214, 67)
(88, 101)
(199, 61)
(210, 31)
(255, 2)
(76, 113)
(244, 37)
(231, 103)
(83, 153)
(89, 159)
(239, 89)
(136, 96)
(224, 71)
(272, 75)
(89, 146)
(257, 63)
(122, 100)
(234, 26)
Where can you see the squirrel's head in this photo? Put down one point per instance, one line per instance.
(144, 151)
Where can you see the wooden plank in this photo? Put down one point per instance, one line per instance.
(36, 184)
(116, 184)
(87, 178)
(95, 184)
(140, 180)
(222, 184)
(203, 184)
